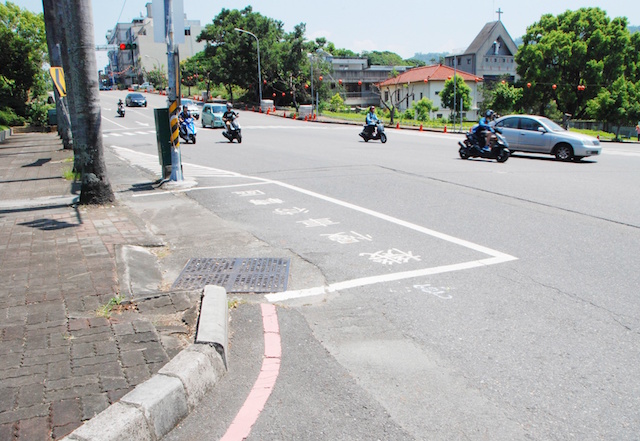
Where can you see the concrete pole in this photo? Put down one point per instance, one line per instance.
(174, 94)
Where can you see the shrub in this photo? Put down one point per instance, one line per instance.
(337, 103)
(9, 118)
(37, 112)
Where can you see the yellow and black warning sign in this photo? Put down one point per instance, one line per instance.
(57, 75)
(174, 124)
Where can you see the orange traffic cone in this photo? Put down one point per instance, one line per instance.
(445, 129)
(421, 127)
(397, 125)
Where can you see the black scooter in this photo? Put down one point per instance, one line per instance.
(233, 131)
(498, 147)
(374, 134)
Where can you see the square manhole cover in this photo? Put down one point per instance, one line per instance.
(235, 274)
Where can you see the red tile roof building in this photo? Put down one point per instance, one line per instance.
(427, 82)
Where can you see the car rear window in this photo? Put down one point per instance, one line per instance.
(529, 124)
(508, 123)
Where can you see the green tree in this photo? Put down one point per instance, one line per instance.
(505, 98)
(423, 109)
(158, 77)
(386, 58)
(23, 50)
(617, 105)
(337, 103)
(462, 92)
(235, 53)
(576, 48)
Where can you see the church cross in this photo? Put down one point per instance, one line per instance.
(500, 12)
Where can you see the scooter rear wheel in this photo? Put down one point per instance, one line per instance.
(503, 155)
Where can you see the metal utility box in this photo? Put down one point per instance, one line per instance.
(163, 137)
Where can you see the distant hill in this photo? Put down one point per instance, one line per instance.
(633, 29)
(431, 57)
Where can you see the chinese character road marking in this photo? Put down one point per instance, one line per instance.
(290, 211)
(310, 223)
(249, 193)
(346, 238)
(266, 201)
(438, 292)
(391, 256)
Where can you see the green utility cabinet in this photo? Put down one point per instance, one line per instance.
(163, 137)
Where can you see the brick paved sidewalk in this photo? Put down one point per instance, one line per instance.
(62, 360)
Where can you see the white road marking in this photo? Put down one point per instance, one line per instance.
(496, 257)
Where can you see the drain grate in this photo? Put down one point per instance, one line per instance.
(235, 274)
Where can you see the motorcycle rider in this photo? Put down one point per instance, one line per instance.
(229, 117)
(483, 130)
(120, 105)
(182, 118)
(371, 121)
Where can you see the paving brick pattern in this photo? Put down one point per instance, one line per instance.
(61, 361)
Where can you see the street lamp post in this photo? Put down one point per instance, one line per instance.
(259, 76)
(157, 61)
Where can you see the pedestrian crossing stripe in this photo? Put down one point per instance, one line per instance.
(121, 134)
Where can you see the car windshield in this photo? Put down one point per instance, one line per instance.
(552, 125)
(219, 109)
(136, 95)
(187, 102)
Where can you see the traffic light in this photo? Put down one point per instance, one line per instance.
(128, 46)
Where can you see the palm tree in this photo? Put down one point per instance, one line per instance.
(87, 131)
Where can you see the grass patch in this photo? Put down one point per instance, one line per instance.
(70, 175)
(106, 310)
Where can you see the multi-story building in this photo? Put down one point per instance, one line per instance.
(357, 79)
(491, 55)
(127, 66)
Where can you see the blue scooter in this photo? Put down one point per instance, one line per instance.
(188, 131)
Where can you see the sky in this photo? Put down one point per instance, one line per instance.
(405, 27)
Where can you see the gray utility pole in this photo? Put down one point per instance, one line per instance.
(455, 58)
(174, 93)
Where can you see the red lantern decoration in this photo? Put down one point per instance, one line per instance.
(554, 87)
(340, 82)
(503, 82)
(320, 77)
(274, 94)
(306, 86)
(529, 85)
(426, 80)
(284, 94)
(359, 83)
(449, 77)
(264, 82)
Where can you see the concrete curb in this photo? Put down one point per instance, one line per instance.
(4, 134)
(155, 407)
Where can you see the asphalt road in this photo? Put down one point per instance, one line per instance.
(448, 299)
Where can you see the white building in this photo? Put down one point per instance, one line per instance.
(427, 82)
(128, 66)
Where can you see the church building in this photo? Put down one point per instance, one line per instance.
(490, 56)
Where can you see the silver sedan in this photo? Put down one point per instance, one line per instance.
(537, 134)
